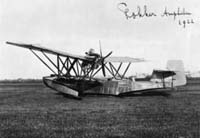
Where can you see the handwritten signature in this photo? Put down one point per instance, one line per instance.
(166, 13)
(143, 12)
(139, 14)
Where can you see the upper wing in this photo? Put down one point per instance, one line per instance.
(65, 54)
(124, 59)
(48, 50)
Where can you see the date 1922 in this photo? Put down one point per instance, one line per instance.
(185, 22)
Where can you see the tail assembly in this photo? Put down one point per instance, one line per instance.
(177, 66)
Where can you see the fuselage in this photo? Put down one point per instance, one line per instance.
(77, 87)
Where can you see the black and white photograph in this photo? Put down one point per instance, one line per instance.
(99, 69)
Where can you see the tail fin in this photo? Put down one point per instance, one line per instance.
(178, 68)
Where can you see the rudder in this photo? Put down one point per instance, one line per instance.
(178, 67)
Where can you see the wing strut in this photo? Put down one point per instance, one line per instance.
(126, 69)
(64, 64)
(58, 63)
(116, 70)
(49, 59)
(42, 61)
(72, 67)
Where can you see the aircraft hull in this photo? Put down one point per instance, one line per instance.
(51, 83)
(76, 87)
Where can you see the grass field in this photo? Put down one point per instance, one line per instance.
(30, 110)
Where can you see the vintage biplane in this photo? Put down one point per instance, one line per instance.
(76, 75)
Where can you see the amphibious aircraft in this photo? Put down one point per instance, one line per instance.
(76, 75)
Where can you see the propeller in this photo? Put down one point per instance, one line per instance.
(100, 48)
(102, 59)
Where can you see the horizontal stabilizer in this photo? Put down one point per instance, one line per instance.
(161, 74)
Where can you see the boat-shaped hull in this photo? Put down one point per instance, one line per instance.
(52, 83)
(77, 87)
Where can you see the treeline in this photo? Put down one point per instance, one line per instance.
(20, 80)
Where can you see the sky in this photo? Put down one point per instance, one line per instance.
(75, 26)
